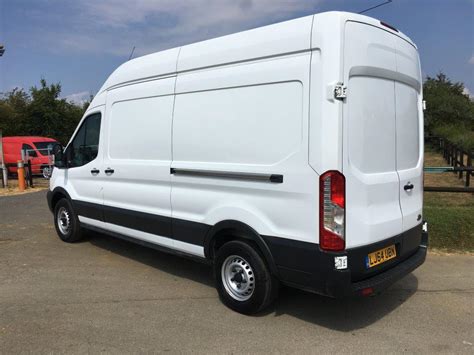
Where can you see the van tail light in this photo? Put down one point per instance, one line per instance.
(332, 204)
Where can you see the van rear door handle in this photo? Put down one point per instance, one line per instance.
(408, 187)
(95, 171)
(109, 171)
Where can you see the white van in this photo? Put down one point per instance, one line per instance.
(287, 154)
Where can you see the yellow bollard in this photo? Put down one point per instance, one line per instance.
(21, 175)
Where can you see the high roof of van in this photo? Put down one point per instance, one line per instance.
(281, 38)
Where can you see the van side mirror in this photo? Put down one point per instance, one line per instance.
(59, 158)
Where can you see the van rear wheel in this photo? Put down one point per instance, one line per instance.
(243, 280)
(66, 222)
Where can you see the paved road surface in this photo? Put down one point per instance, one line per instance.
(113, 296)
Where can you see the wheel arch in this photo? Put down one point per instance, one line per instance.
(57, 194)
(234, 230)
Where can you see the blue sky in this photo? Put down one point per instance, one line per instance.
(80, 42)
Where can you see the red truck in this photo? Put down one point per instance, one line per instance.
(38, 150)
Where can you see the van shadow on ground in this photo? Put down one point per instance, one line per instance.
(341, 315)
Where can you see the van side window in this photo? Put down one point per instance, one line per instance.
(29, 150)
(85, 145)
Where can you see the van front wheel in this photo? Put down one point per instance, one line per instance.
(46, 171)
(243, 280)
(66, 222)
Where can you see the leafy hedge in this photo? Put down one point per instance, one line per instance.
(39, 112)
(450, 111)
(459, 135)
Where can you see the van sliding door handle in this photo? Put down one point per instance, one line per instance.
(408, 187)
(95, 171)
(109, 171)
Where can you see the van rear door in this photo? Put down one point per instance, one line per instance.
(409, 118)
(381, 145)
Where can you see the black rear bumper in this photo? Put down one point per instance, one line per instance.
(381, 281)
(307, 267)
(411, 255)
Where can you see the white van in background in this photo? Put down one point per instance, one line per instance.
(288, 154)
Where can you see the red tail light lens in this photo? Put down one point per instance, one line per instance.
(332, 204)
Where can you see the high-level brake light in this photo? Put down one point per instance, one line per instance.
(389, 26)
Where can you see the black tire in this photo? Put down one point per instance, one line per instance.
(73, 232)
(264, 285)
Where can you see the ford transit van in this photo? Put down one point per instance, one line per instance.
(289, 154)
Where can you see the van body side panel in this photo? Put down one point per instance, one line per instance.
(247, 118)
(147, 67)
(273, 40)
(325, 126)
(138, 149)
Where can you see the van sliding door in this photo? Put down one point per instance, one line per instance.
(137, 161)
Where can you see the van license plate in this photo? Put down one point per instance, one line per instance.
(380, 256)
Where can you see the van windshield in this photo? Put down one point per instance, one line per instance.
(44, 148)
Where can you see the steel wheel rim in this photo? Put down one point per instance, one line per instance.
(64, 220)
(46, 172)
(238, 278)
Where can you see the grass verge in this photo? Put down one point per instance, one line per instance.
(450, 216)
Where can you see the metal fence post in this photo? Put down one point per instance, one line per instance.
(30, 174)
(468, 173)
(3, 166)
(453, 149)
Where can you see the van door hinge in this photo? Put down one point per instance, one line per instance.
(340, 91)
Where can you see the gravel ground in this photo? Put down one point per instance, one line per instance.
(108, 295)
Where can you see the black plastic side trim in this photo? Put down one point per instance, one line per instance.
(189, 232)
(146, 244)
(144, 222)
(89, 210)
(184, 231)
(274, 178)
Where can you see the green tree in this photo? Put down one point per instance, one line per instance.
(41, 112)
(14, 112)
(449, 112)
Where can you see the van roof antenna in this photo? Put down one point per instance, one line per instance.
(131, 53)
(374, 7)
